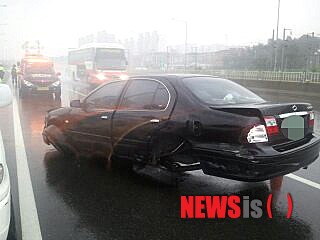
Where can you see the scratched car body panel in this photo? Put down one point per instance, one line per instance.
(185, 123)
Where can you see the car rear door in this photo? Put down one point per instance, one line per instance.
(91, 128)
(144, 109)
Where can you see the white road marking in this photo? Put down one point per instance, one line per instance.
(303, 180)
(30, 225)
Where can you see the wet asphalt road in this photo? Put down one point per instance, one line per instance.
(82, 200)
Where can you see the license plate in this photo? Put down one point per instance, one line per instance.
(293, 127)
(43, 88)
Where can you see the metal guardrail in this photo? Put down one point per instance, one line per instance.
(302, 77)
(298, 77)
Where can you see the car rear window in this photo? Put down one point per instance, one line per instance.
(217, 91)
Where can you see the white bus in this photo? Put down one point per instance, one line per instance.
(97, 63)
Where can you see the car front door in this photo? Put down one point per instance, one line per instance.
(91, 124)
(144, 109)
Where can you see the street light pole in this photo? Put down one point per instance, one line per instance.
(277, 35)
(186, 48)
(278, 19)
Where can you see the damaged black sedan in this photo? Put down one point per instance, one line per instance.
(185, 123)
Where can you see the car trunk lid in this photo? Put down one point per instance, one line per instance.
(285, 123)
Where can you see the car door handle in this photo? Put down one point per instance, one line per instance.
(154, 120)
(104, 117)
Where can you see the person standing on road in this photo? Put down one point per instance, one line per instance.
(14, 74)
(1, 72)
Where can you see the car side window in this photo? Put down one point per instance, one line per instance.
(107, 96)
(161, 98)
(145, 95)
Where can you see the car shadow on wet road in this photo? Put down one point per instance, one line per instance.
(119, 204)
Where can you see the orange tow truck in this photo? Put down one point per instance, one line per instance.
(37, 76)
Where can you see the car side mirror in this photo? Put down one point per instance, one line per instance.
(75, 104)
(5, 95)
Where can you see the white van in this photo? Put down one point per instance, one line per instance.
(5, 99)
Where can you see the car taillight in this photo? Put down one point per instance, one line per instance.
(311, 119)
(257, 134)
(271, 125)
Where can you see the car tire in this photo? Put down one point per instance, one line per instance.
(64, 150)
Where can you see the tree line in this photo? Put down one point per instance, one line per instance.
(299, 54)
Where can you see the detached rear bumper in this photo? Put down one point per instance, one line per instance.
(261, 164)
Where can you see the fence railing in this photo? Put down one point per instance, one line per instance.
(266, 75)
(303, 77)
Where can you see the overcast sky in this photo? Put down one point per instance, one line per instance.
(59, 23)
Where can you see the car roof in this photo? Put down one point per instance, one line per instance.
(176, 76)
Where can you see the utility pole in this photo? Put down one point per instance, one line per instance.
(185, 42)
(168, 59)
(310, 53)
(272, 34)
(277, 35)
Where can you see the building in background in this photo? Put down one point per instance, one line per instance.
(105, 37)
(99, 37)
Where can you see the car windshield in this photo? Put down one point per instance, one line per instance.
(39, 69)
(111, 59)
(217, 91)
